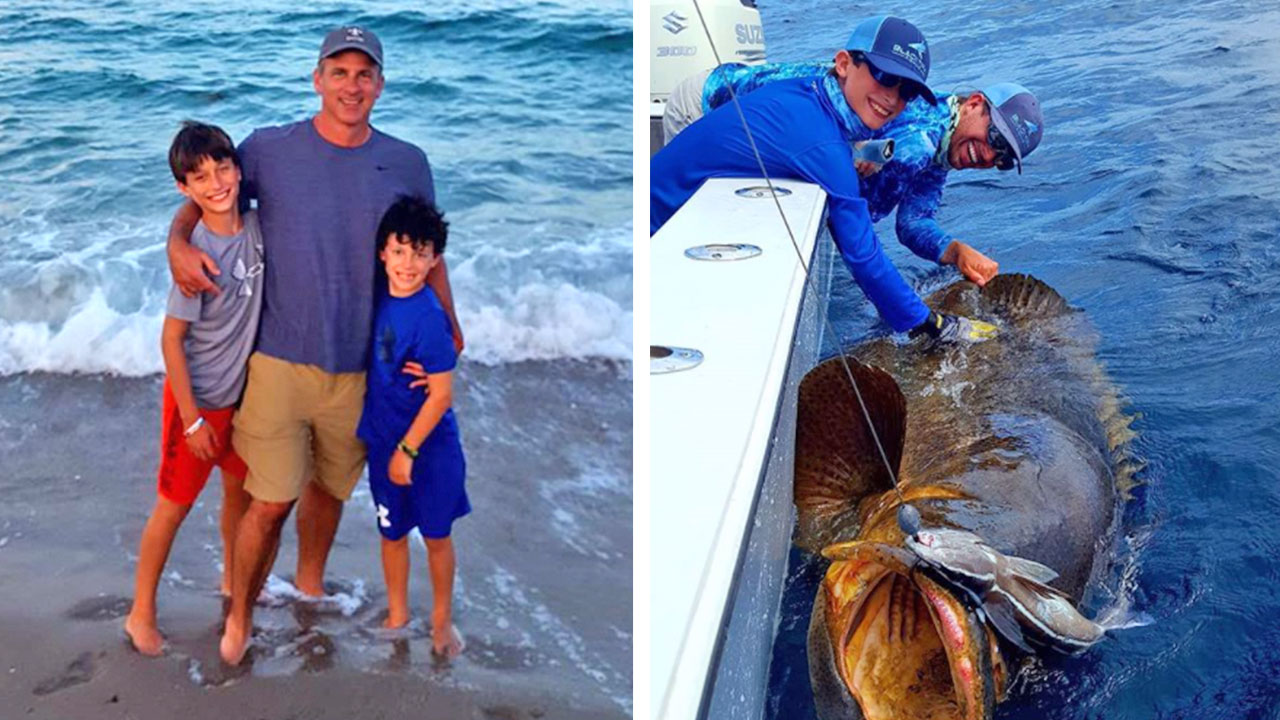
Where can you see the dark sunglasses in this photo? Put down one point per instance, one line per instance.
(909, 90)
(1004, 153)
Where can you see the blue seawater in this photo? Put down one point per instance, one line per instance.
(1153, 203)
(522, 107)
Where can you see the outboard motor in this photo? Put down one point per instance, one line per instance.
(678, 46)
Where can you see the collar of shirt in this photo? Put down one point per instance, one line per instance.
(849, 121)
(940, 158)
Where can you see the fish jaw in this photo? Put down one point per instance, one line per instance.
(888, 642)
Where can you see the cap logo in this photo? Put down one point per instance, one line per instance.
(1021, 127)
(355, 34)
(914, 54)
(674, 22)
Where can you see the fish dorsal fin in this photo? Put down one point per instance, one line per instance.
(837, 462)
(1051, 615)
(1018, 296)
(1004, 618)
(1030, 569)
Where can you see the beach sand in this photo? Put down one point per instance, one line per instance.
(544, 567)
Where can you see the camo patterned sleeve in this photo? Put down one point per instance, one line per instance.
(748, 78)
(915, 225)
(912, 182)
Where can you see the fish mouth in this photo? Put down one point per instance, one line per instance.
(903, 645)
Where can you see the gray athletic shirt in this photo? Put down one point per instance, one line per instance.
(223, 327)
(320, 205)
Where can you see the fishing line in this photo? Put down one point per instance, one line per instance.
(822, 308)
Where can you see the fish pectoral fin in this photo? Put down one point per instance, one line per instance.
(1004, 618)
(838, 459)
(1031, 569)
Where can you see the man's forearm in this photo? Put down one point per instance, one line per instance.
(184, 222)
(438, 279)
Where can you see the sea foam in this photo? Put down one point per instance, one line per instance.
(534, 322)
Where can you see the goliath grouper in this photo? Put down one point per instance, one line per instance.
(1014, 450)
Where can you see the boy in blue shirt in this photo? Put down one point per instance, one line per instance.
(416, 466)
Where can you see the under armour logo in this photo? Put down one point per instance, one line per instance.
(384, 516)
(243, 274)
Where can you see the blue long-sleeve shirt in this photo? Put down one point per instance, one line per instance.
(912, 182)
(801, 134)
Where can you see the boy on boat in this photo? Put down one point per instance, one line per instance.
(802, 129)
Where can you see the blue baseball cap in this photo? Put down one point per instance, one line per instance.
(1016, 114)
(894, 46)
(352, 38)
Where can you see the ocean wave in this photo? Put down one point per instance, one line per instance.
(540, 322)
(543, 322)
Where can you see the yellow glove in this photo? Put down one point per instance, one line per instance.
(955, 328)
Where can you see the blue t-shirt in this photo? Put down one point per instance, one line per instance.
(319, 206)
(412, 328)
(801, 134)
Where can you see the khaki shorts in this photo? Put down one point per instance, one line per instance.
(297, 421)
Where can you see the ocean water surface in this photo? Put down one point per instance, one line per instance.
(1153, 203)
(529, 152)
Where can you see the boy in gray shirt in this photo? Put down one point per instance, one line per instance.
(206, 343)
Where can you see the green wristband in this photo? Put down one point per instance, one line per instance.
(404, 447)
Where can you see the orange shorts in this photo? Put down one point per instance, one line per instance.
(182, 474)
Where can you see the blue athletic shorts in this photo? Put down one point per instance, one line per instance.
(435, 498)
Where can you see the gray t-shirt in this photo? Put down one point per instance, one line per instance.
(223, 327)
(320, 205)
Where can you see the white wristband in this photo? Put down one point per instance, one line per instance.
(194, 427)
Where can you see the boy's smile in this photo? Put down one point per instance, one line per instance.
(214, 186)
(406, 266)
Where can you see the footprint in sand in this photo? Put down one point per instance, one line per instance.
(103, 607)
(509, 712)
(80, 671)
(499, 656)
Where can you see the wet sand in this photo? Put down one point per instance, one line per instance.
(544, 567)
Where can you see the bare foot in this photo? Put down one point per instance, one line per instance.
(395, 620)
(144, 637)
(234, 645)
(448, 644)
(313, 590)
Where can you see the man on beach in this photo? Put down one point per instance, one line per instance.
(322, 185)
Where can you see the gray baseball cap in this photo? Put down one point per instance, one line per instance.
(1015, 114)
(352, 38)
